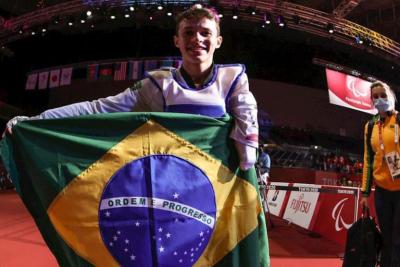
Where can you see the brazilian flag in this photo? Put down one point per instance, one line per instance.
(138, 189)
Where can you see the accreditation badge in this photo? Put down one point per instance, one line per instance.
(393, 162)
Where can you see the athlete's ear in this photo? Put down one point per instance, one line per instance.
(219, 41)
(176, 41)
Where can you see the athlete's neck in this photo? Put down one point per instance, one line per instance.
(197, 72)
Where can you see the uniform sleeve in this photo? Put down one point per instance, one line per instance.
(142, 96)
(367, 177)
(242, 105)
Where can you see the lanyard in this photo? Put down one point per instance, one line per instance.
(396, 134)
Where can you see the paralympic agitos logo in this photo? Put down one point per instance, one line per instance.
(337, 216)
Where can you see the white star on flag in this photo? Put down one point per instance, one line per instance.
(175, 253)
(126, 241)
(162, 249)
(160, 229)
(133, 257)
(168, 235)
(115, 238)
(176, 195)
(201, 233)
(108, 214)
(137, 223)
(126, 250)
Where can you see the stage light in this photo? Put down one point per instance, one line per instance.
(330, 28)
(33, 33)
(112, 17)
(368, 42)
(83, 19)
(44, 29)
(280, 21)
(126, 15)
(131, 8)
(56, 20)
(71, 21)
(251, 10)
(235, 13)
(169, 14)
(359, 40)
(160, 7)
(88, 13)
(267, 18)
(20, 31)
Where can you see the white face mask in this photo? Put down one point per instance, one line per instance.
(382, 104)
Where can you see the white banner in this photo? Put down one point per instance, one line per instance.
(275, 198)
(31, 81)
(301, 205)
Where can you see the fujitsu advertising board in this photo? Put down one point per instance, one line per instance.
(301, 204)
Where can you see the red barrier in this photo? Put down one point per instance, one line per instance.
(327, 210)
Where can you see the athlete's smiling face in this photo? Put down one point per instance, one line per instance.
(197, 40)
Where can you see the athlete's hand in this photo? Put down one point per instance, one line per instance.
(364, 202)
(13, 122)
(247, 156)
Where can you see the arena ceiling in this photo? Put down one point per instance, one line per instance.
(379, 15)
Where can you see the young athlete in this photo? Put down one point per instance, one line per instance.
(198, 87)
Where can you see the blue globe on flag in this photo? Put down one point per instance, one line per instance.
(158, 210)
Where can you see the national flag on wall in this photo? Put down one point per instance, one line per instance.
(43, 80)
(166, 63)
(31, 81)
(92, 72)
(120, 71)
(177, 63)
(106, 71)
(150, 189)
(66, 75)
(150, 65)
(135, 70)
(54, 78)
